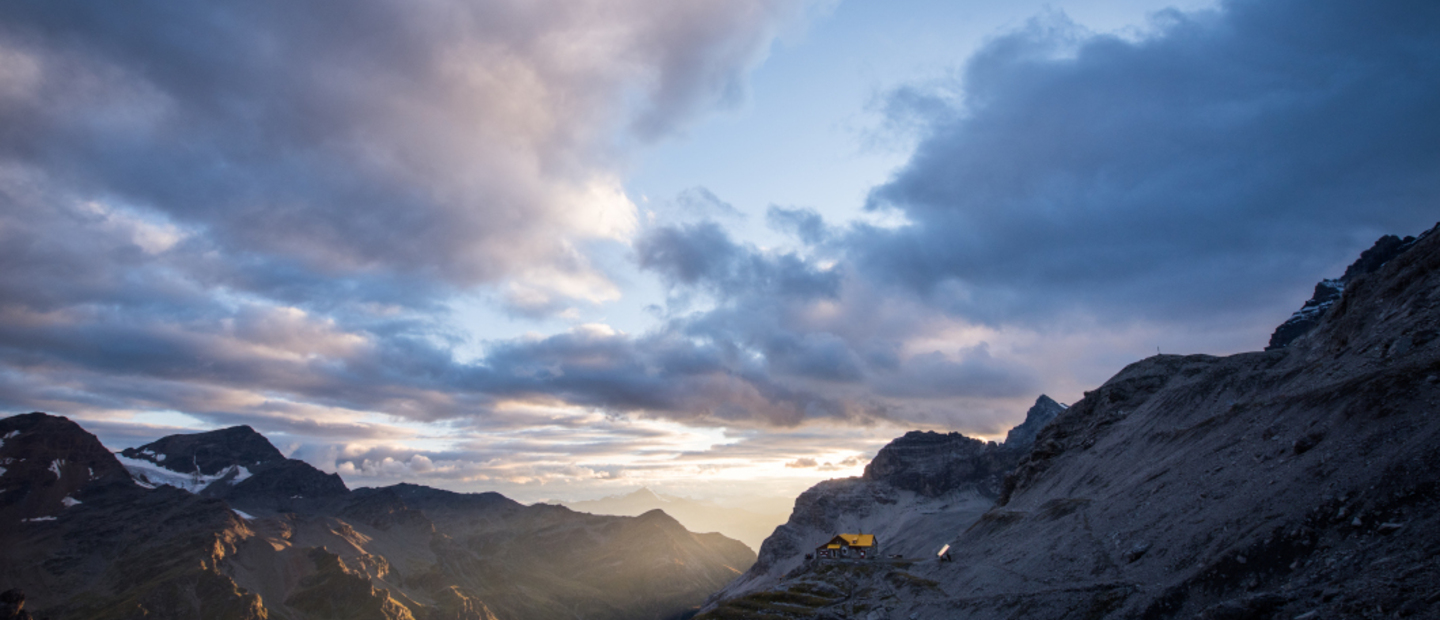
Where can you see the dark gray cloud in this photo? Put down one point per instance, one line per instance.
(1216, 167)
(665, 374)
(704, 256)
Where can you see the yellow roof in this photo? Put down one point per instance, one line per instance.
(851, 540)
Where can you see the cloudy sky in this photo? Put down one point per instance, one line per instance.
(565, 248)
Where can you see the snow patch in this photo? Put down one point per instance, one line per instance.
(55, 467)
(2, 471)
(10, 435)
(150, 475)
(37, 519)
(243, 515)
(70, 502)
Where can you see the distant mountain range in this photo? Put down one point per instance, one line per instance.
(747, 526)
(222, 525)
(1301, 482)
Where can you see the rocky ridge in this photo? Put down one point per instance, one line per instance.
(1300, 482)
(269, 537)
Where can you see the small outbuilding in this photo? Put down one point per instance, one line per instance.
(849, 546)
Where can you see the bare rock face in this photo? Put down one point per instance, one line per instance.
(932, 464)
(1020, 438)
(1327, 292)
(1302, 482)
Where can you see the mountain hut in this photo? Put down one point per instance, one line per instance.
(849, 546)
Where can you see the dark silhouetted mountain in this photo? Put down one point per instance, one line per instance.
(1301, 482)
(245, 533)
(1327, 292)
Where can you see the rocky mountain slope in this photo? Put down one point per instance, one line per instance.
(915, 495)
(748, 526)
(1299, 482)
(221, 525)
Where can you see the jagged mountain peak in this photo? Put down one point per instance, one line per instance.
(1328, 291)
(1041, 413)
(208, 453)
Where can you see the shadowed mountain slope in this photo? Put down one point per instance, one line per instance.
(1302, 482)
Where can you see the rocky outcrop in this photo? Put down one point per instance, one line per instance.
(933, 464)
(1302, 482)
(1328, 291)
(1045, 409)
(236, 531)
